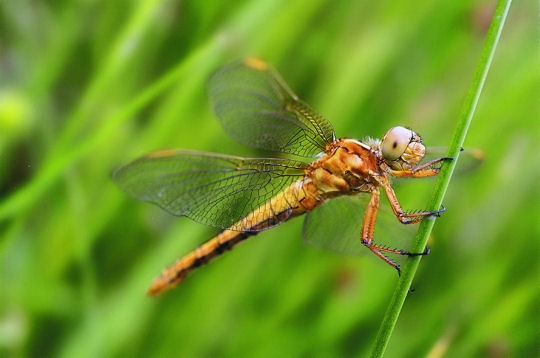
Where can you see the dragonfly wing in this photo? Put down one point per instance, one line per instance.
(212, 189)
(256, 108)
(336, 226)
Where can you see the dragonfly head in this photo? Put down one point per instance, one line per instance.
(402, 148)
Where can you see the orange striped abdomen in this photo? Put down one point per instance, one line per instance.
(296, 199)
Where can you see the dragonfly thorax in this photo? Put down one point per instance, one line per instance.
(347, 166)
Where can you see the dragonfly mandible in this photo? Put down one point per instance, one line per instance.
(243, 196)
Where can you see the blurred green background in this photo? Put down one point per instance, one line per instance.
(86, 86)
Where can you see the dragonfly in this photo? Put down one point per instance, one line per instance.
(309, 170)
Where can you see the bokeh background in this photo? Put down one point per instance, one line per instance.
(88, 85)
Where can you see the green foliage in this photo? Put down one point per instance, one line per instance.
(87, 86)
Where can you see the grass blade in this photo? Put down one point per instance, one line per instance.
(443, 180)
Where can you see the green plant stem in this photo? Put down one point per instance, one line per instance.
(443, 180)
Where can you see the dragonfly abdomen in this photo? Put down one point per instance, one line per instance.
(295, 200)
(176, 273)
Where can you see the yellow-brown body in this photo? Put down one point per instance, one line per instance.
(346, 168)
(244, 196)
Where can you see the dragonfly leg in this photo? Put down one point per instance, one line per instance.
(368, 227)
(404, 217)
(422, 171)
(378, 250)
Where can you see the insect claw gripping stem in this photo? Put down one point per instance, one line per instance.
(437, 213)
(379, 249)
(423, 253)
(407, 253)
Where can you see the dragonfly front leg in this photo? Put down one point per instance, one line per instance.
(368, 227)
(422, 171)
(404, 217)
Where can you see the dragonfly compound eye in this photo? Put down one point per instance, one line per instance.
(395, 142)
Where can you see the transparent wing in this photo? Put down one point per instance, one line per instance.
(256, 108)
(212, 189)
(336, 226)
